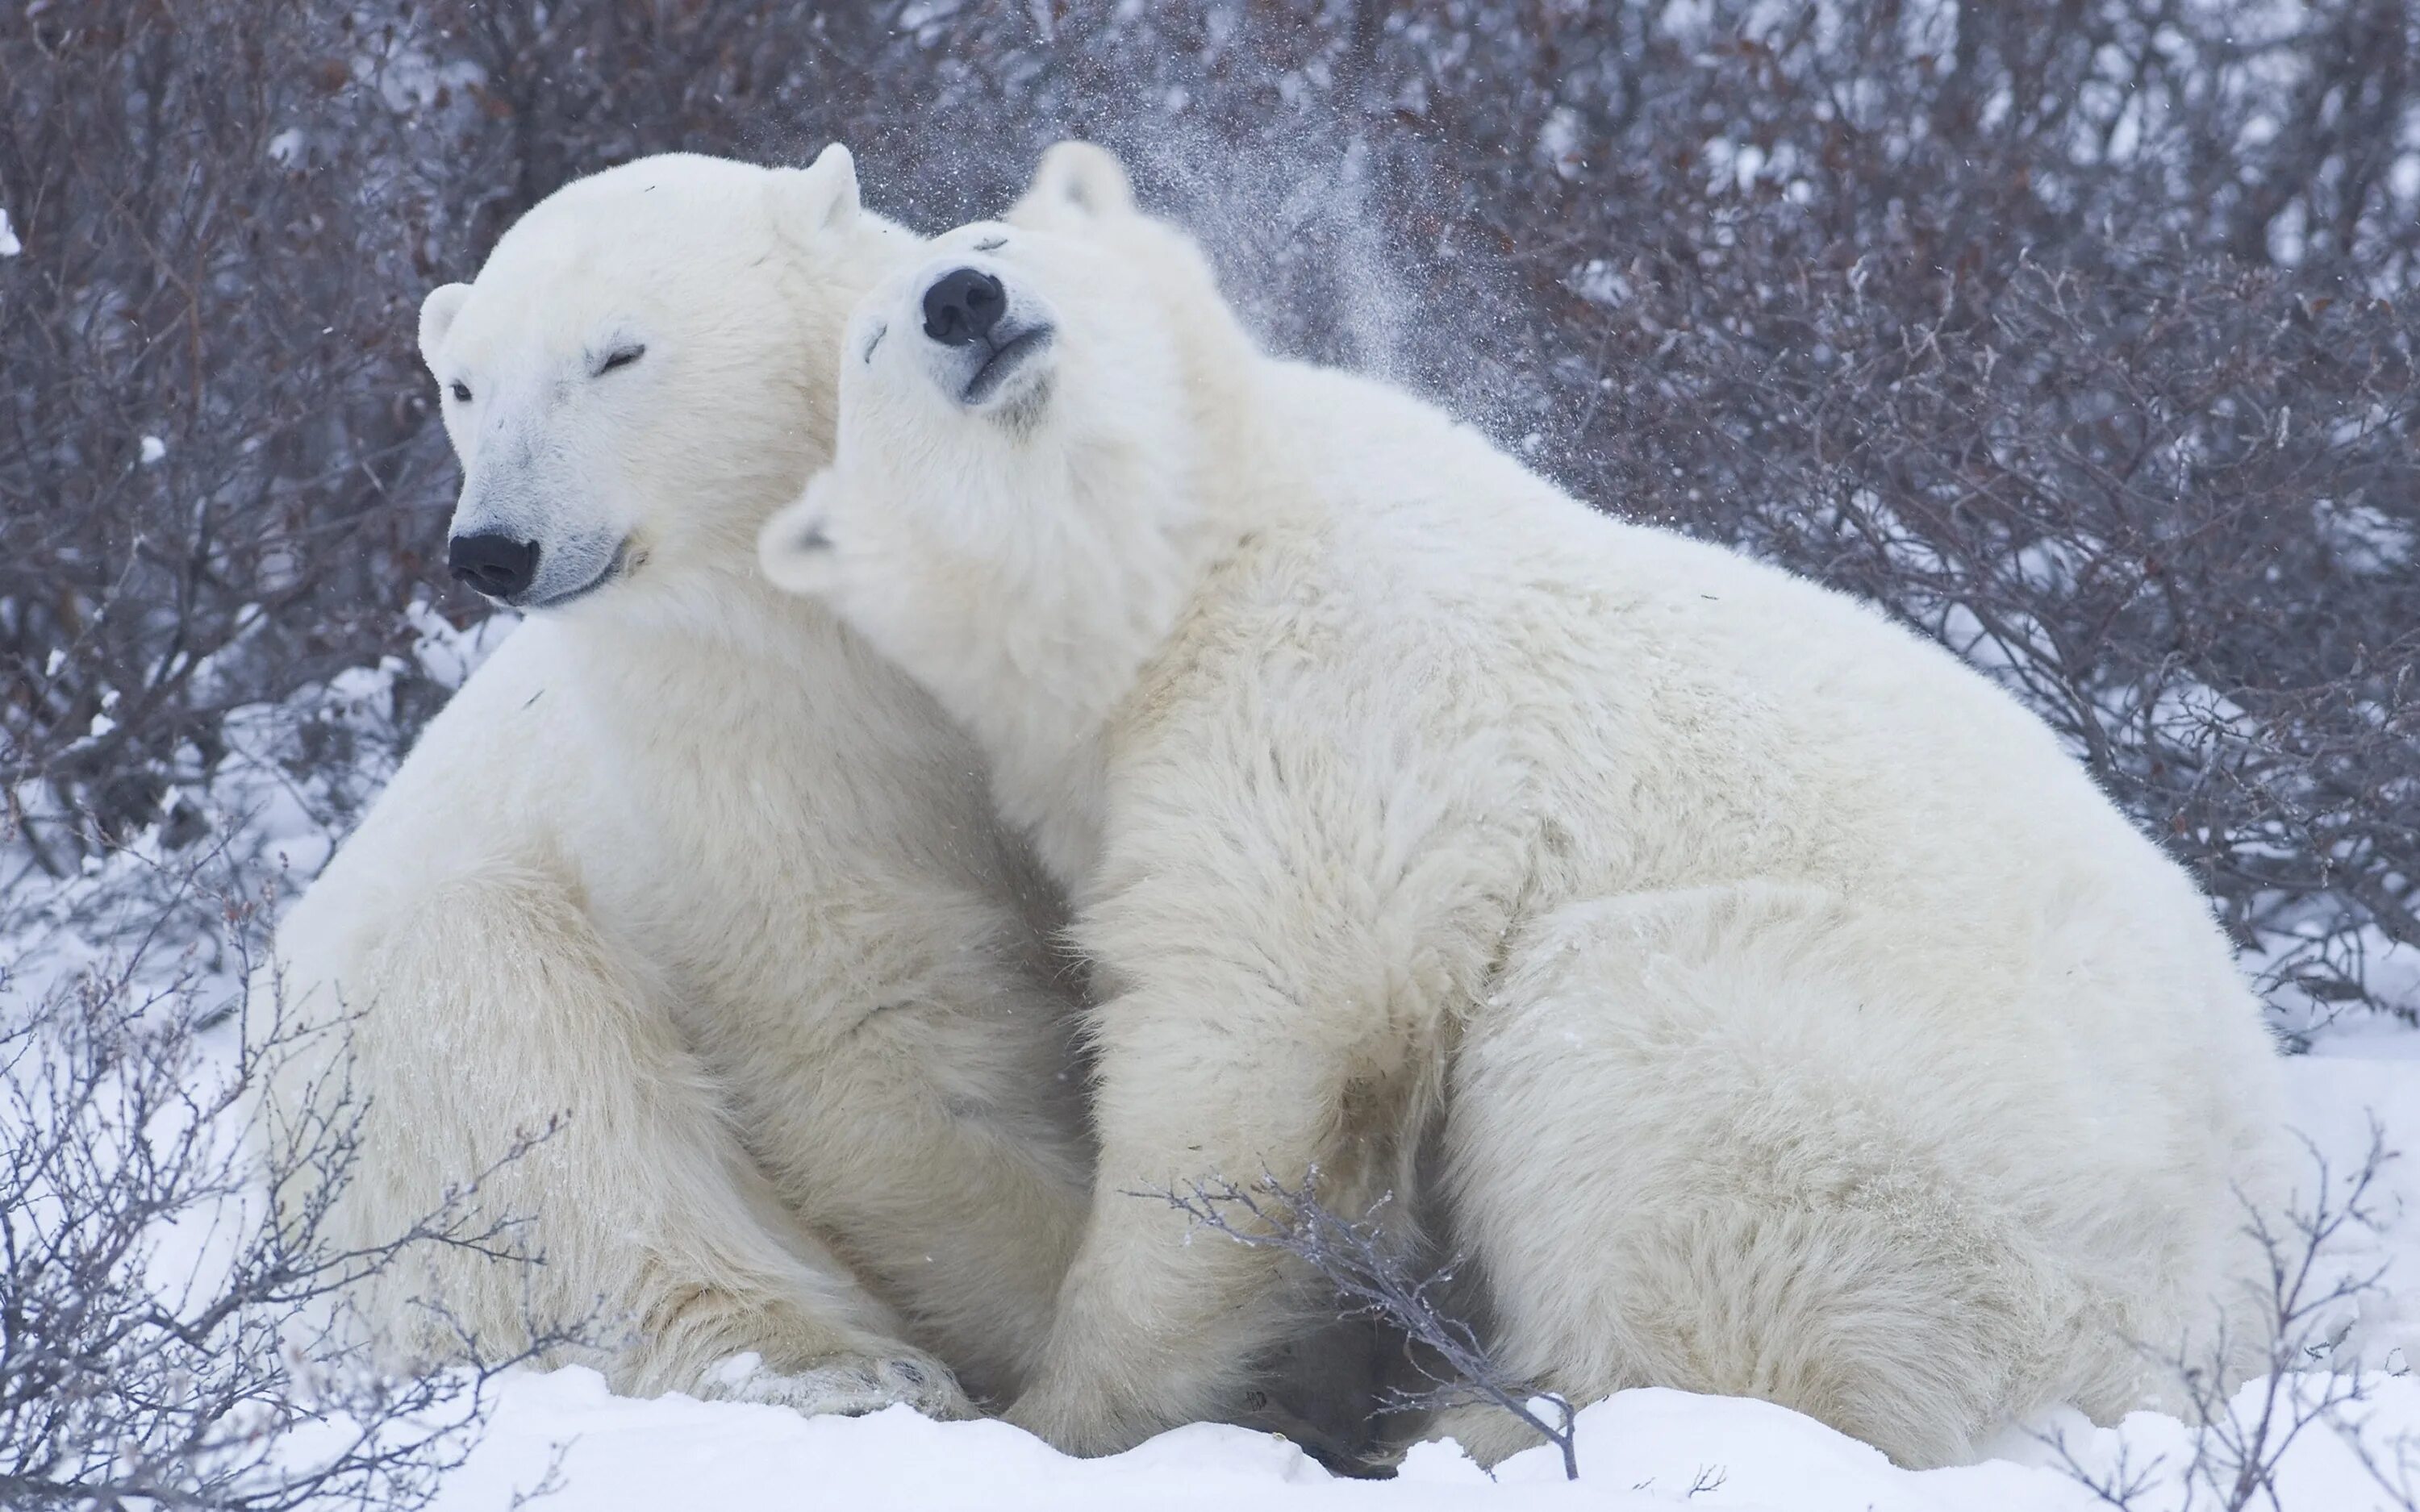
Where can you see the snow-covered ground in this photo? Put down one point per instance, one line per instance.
(1642, 1449)
(595, 1451)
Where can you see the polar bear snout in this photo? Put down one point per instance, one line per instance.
(493, 562)
(535, 573)
(984, 335)
(962, 305)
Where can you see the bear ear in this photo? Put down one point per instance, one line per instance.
(795, 547)
(820, 198)
(1076, 181)
(437, 313)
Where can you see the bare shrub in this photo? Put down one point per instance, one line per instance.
(2238, 1442)
(162, 1340)
(216, 478)
(1374, 1277)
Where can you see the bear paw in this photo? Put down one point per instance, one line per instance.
(847, 1384)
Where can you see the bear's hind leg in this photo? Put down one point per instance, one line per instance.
(483, 1012)
(1689, 1147)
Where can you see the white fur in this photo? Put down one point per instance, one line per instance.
(683, 862)
(1785, 1014)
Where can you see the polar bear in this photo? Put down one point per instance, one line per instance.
(1780, 1009)
(684, 864)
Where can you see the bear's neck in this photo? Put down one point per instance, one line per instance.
(758, 680)
(1066, 674)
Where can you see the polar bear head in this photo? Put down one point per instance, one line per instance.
(641, 372)
(1039, 421)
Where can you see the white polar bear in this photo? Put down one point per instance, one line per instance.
(685, 862)
(1790, 1015)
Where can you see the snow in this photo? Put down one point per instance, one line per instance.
(1598, 283)
(153, 449)
(10, 245)
(1657, 1445)
(2367, 539)
(1643, 1449)
(1558, 141)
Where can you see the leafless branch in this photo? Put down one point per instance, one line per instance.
(165, 1338)
(1374, 1278)
(2239, 1440)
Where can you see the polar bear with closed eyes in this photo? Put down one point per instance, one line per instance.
(684, 869)
(1762, 999)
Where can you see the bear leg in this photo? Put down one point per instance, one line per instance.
(1695, 1143)
(485, 1014)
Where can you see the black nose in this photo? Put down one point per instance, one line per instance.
(496, 566)
(963, 305)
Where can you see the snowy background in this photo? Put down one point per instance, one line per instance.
(2081, 334)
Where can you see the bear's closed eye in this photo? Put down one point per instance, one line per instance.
(867, 355)
(813, 539)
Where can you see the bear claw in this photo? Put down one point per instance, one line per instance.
(851, 1385)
